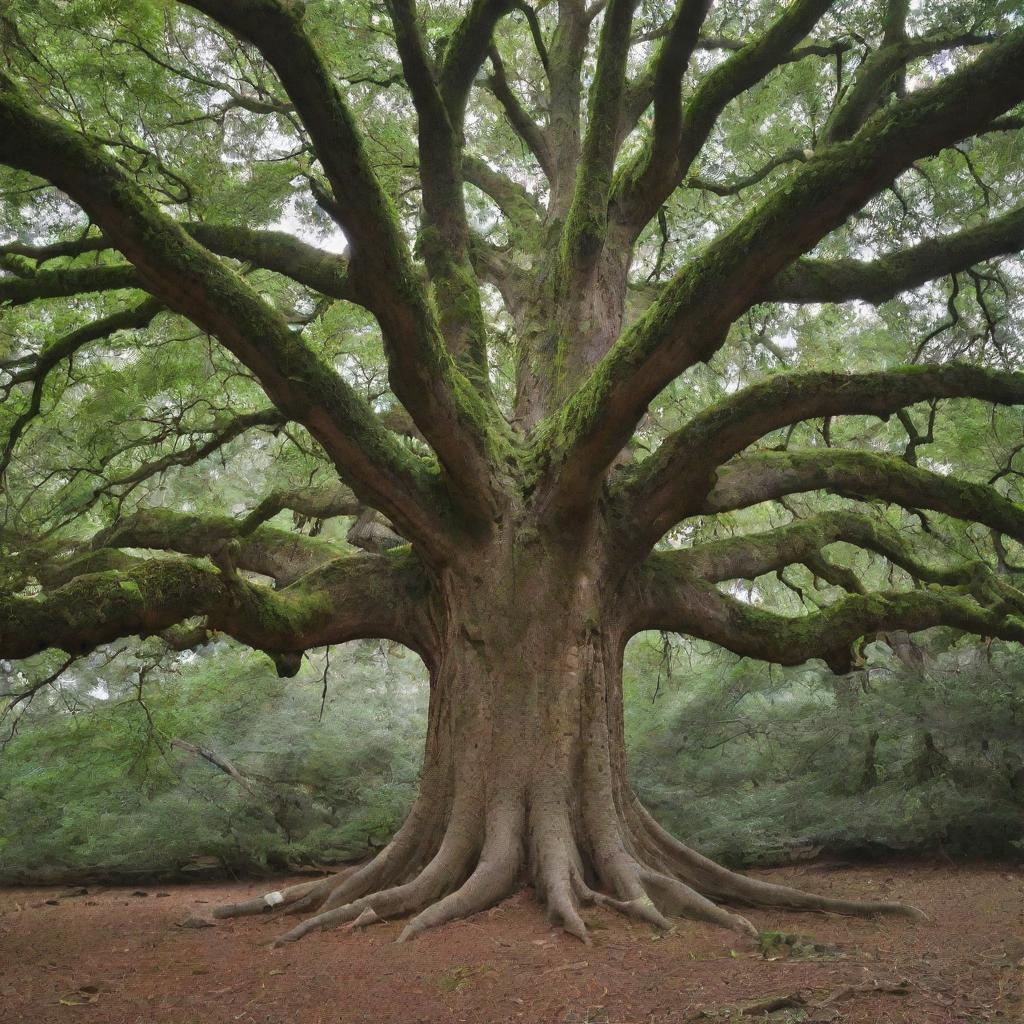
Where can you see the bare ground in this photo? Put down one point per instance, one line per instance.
(112, 957)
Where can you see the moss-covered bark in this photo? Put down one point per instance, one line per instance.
(670, 598)
(753, 478)
(809, 280)
(341, 599)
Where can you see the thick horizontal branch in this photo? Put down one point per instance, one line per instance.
(280, 554)
(668, 599)
(53, 569)
(370, 531)
(673, 482)
(878, 280)
(750, 479)
(280, 252)
(366, 596)
(59, 284)
(690, 320)
(316, 502)
(40, 254)
(276, 251)
(243, 544)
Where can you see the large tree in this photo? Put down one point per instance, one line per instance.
(583, 236)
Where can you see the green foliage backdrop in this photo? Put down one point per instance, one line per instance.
(756, 763)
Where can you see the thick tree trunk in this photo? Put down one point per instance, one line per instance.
(524, 775)
(564, 331)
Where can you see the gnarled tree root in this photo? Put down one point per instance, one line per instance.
(629, 865)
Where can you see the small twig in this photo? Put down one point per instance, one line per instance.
(323, 695)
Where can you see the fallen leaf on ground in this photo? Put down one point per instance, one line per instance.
(82, 996)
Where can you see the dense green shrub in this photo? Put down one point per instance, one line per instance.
(93, 782)
(755, 763)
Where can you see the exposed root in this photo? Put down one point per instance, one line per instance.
(432, 882)
(679, 900)
(729, 886)
(346, 889)
(270, 901)
(641, 872)
(641, 909)
(493, 878)
(563, 911)
(367, 917)
(360, 875)
(413, 844)
(388, 903)
(556, 867)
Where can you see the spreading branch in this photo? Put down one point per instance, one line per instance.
(586, 224)
(452, 415)
(190, 280)
(804, 541)
(315, 502)
(281, 554)
(690, 320)
(519, 120)
(878, 280)
(674, 481)
(668, 598)
(650, 177)
(370, 531)
(60, 284)
(750, 479)
(882, 74)
(277, 251)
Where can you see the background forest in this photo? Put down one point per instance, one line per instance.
(920, 751)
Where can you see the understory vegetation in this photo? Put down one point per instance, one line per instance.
(920, 752)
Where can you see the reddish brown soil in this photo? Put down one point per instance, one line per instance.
(123, 959)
